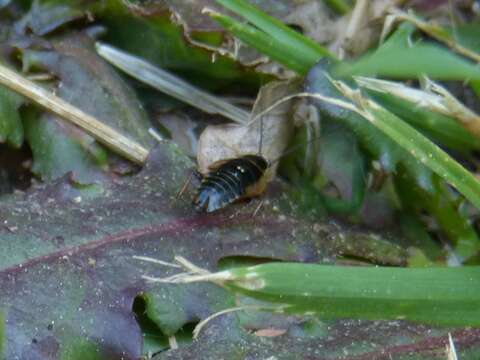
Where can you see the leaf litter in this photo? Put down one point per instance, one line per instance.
(268, 135)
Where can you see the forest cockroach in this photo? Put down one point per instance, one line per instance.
(231, 180)
(237, 178)
(234, 179)
(228, 180)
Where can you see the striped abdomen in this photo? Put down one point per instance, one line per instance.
(231, 180)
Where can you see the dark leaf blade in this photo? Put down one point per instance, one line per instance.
(88, 83)
(72, 257)
(45, 17)
(59, 149)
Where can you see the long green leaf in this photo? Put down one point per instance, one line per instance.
(422, 149)
(397, 58)
(277, 30)
(442, 296)
(263, 43)
(440, 128)
(410, 62)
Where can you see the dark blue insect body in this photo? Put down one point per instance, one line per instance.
(231, 180)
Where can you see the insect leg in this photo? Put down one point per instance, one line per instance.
(257, 208)
(194, 173)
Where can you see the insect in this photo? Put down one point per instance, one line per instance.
(237, 178)
(231, 180)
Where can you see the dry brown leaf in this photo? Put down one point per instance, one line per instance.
(268, 136)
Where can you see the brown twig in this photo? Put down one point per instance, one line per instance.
(106, 135)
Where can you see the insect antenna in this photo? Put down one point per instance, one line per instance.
(260, 144)
(259, 118)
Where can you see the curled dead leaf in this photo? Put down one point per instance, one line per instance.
(267, 136)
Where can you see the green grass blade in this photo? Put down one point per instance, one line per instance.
(397, 58)
(441, 296)
(263, 43)
(425, 151)
(305, 46)
(440, 128)
(421, 59)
